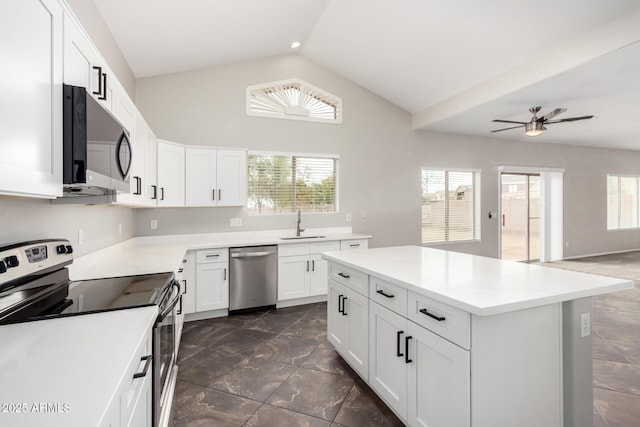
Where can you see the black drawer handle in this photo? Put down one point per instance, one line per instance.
(184, 282)
(346, 276)
(339, 303)
(433, 316)
(384, 294)
(406, 349)
(398, 352)
(147, 364)
(344, 307)
(180, 309)
(155, 192)
(355, 245)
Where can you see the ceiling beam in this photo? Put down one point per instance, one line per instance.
(614, 35)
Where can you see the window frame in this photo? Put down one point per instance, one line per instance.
(335, 157)
(619, 201)
(477, 217)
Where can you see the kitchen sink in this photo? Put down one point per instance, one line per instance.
(302, 237)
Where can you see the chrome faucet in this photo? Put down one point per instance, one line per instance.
(298, 229)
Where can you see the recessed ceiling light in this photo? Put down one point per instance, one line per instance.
(295, 45)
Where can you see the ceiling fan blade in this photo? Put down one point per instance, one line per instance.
(552, 114)
(508, 121)
(569, 119)
(500, 130)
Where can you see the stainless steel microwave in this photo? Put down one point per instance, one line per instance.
(96, 147)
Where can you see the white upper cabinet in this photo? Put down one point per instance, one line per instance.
(215, 177)
(170, 174)
(31, 98)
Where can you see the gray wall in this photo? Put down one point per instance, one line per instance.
(28, 219)
(380, 158)
(89, 16)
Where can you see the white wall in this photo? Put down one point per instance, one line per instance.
(380, 158)
(29, 219)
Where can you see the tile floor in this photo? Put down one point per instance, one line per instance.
(273, 368)
(276, 368)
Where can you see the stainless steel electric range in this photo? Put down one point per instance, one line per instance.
(35, 286)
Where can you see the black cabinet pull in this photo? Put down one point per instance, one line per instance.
(99, 70)
(433, 316)
(313, 265)
(155, 192)
(384, 294)
(161, 193)
(406, 349)
(180, 308)
(180, 270)
(138, 186)
(184, 282)
(339, 302)
(346, 276)
(354, 245)
(104, 87)
(219, 194)
(147, 364)
(398, 352)
(214, 194)
(307, 265)
(344, 308)
(225, 275)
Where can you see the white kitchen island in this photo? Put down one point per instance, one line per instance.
(450, 339)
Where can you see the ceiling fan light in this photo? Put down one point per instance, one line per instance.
(533, 128)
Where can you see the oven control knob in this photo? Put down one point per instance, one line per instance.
(60, 249)
(3, 267)
(12, 261)
(69, 249)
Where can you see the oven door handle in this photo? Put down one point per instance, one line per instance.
(172, 304)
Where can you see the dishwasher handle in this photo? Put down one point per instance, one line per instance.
(252, 254)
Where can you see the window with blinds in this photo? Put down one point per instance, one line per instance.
(622, 202)
(293, 99)
(283, 183)
(450, 205)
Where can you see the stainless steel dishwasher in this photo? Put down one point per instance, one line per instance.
(252, 278)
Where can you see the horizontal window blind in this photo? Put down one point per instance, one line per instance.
(287, 183)
(450, 206)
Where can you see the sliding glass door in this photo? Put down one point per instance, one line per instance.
(520, 217)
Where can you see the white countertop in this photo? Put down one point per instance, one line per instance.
(75, 362)
(155, 254)
(479, 285)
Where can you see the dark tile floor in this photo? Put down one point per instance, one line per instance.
(273, 368)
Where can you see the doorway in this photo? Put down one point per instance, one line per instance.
(520, 216)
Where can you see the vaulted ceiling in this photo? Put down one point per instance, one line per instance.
(454, 65)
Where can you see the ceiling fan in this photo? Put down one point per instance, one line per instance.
(535, 126)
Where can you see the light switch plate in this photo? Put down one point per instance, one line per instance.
(235, 222)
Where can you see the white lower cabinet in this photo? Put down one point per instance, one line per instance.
(424, 378)
(348, 326)
(438, 375)
(212, 279)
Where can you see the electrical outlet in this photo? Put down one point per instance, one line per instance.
(235, 222)
(566, 244)
(80, 236)
(348, 217)
(585, 325)
(365, 215)
(120, 228)
(154, 224)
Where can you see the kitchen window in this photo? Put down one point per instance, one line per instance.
(622, 202)
(450, 205)
(284, 183)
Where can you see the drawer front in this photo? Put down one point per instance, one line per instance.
(448, 322)
(205, 256)
(318, 248)
(142, 368)
(346, 245)
(293, 249)
(388, 295)
(349, 277)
